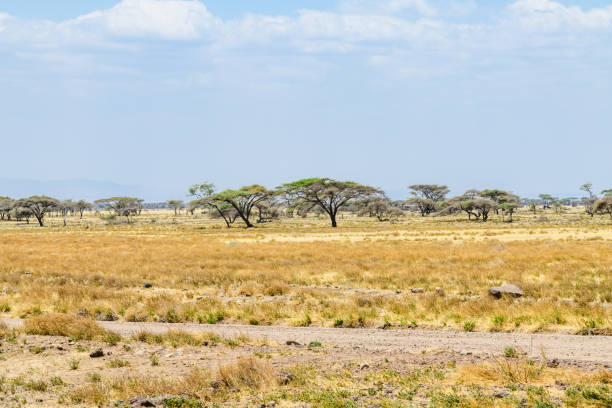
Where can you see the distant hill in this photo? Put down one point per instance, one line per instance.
(65, 189)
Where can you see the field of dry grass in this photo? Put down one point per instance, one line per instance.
(426, 273)
(300, 272)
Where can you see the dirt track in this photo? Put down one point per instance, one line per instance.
(567, 348)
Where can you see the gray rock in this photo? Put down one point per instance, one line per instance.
(284, 378)
(501, 394)
(97, 353)
(146, 402)
(510, 290)
(107, 317)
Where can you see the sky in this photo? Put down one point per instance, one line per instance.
(156, 95)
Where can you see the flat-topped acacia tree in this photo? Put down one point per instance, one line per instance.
(244, 200)
(38, 206)
(328, 194)
(122, 206)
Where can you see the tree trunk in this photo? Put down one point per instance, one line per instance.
(40, 221)
(333, 220)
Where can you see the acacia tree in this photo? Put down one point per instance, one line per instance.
(547, 200)
(604, 205)
(205, 197)
(244, 200)
(38, 206)
(380, 208)
(6, 205)
(81, 206)
(176, 204)
(427, 197)
(122, 206)
(590, 200)
(472, 204)
(327, 194)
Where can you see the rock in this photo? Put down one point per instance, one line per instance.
(97, 353)
(82, 313)
(398, 291)
(510, 290)
(554, 363)
(364, 365)
(147, 286)
(284, 378)
(501, 394)
(465, 353)
(292, 343)
(107, 317)
(145, 402)
(417, 290)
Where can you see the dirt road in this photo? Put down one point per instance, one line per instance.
(567, 348)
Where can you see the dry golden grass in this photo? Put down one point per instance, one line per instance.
(248, 373)
(58, 324)
(286, 272)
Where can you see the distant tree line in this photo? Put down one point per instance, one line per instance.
(319, 196)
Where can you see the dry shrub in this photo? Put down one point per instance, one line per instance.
(172, 337)
(247, 371)
(276, 288)
(58, 324)
(248, 290)
(502, 370)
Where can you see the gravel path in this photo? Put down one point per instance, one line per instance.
(568, 348)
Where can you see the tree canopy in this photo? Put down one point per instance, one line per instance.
(38, 206)
(327, 194)
(243, 200)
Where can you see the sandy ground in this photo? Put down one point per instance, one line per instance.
(568, 349)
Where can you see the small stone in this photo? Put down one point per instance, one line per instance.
(398, 291)
(364, 365)
(465, 353)
(292, 343)
(501, 394)
(97, 353)
(510, 290)
(147, 286)
(145, 402)
(284, 378)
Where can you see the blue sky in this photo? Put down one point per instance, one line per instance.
(163, 94)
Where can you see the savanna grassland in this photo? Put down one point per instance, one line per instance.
(299, 272)
(426, 273)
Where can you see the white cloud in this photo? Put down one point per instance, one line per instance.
(421, 6)
(387, 6)
(550, 16)
(379, 32)
(173, 20)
